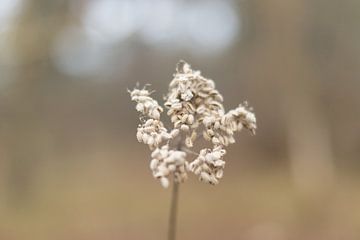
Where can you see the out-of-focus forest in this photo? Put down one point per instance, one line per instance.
(70, 164)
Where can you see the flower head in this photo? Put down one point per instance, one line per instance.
(195, 109)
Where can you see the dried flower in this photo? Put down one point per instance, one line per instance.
(195, 109)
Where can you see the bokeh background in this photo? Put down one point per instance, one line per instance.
(70, 165)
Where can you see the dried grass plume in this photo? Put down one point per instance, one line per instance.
(195, 109)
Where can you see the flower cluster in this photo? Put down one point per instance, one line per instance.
(152, 133)
(166, 162)
(146, 104)
(195, 109)
(209, 165)
(220, 129)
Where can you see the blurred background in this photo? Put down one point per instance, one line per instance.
(70, 164)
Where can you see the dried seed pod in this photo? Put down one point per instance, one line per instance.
(174, 133)
(164, 182)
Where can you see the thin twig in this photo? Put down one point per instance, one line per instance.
(174, 204)
(173, 212)
(189, 151)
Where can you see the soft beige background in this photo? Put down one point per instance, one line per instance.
(70, 165)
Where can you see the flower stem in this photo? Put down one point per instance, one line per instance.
(173, 211)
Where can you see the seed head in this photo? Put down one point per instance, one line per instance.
(195, 109)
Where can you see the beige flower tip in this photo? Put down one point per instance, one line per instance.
(164, 182)
(183, 67)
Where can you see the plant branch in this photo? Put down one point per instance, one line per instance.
(189, 151)
(173, 211)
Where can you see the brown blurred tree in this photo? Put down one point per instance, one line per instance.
(31, 40)
(280, 48)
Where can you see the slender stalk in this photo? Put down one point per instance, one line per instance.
(173, 211)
